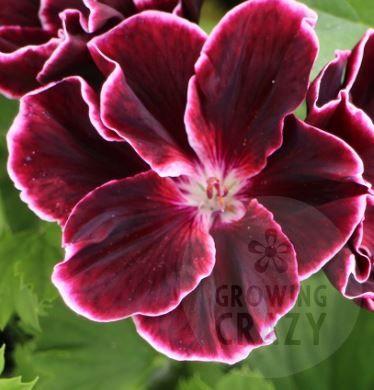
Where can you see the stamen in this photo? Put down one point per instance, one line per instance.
(214, 185)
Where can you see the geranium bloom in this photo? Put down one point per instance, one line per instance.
(341, 101)
(45, 40)
(176, 246)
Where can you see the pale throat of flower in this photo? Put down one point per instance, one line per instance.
(215, 195)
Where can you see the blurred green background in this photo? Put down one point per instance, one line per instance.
(46, 346)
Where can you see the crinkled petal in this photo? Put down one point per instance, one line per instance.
(55, 154)
(351, 271)
(235, 309)
(328, 83)
(104, 11)
(144, 97)
(19, 13)
(133, 247)
(343, 119)
(189, 9)
(313, 186)
(50, 12)
(13, 38)
(253, 70)
(350, 72)
(71, 57)
(160, 5)
(360, 75)
(23, 52)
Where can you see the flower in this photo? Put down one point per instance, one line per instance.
(227, 165)
(341, 102)
(46, 40)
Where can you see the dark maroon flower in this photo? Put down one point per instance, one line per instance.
(228, 166)
(46, 40)
(341, 101)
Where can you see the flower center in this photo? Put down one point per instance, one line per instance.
(215, 195)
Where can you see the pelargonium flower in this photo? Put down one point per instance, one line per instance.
(45, 40)
(341, 101)
(229, 166)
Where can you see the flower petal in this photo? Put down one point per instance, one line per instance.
(104, 11)
(71, 57)
(19, 13)
(351, 271)
(349, 72)
(160, 5)
(313, 186)
(55, 154)
(144, 97)
(23, 52)
(253, 70)
(352, 125)
(189, 9)
(50, 12)
(132, 247)
(360, 77)
(328, 83)
(235, 309)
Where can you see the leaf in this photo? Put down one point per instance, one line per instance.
(26, 261)
(236, 379)
(74, 353)
(39, 253)
(357, 11)
(194, 383)
(13, 383)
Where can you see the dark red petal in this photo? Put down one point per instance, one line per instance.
(349, 72)
(19, 13)
(71, 58)
(352, 125)
(328, 83)
(360, 75)
(312, 185)
(144, 98)
(23, 52)
(351, 271)
(50, 10)
(104, 11)
(160, 5)
(189, 9)
(13, 38)
(133, 247)
(253, 70)
(55, 154)
(235, 309)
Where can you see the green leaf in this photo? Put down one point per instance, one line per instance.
(26, 262)
(40, 251)
(357, 11)
(236, 379)
(12, 383)
(74, 353)
(194, 383)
